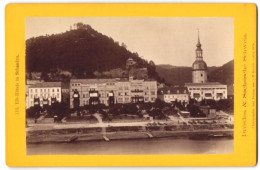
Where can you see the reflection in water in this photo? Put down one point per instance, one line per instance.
(134, 147)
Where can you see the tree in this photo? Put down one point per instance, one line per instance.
(33, 112)
(159, 103)
(225, 105)
(60, 109)
(44, 76)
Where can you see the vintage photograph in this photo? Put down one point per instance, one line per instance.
(129, 85)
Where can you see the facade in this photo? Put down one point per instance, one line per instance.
(65, 92)
(199, 67)
(200, 89)
(44, 93)
(111, 91)
(171, 94)
(209, 90)
(29, 83)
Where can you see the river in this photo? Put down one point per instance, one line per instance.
(135, 147)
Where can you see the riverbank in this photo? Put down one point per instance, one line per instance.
(122, 133)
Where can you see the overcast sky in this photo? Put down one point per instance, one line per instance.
(161, 39)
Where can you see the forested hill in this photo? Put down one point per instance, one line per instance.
(81, 51)
(180, 75)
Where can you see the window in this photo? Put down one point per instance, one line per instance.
(152, 92)
(48, 90)
(44, 90)
(168, 91)
(208, 95)
(146, 99)
(31, 96)
(58, 96)
(52, 90)
(83, 95)
(57, 90)
(35, 90)
(126, 88)
(201, 75)
(41, 90)
(185, 91)
(178, 91)
(127, 99)
(120, 100)
(31, 90)
(126, 93)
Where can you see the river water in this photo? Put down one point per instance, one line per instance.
(135, 147)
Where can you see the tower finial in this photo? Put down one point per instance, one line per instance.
(198, 35)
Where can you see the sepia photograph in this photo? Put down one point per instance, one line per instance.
(129, 85)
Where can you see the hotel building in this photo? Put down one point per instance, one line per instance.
(111, 91)
(44, 93)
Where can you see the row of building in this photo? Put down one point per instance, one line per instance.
(80, 92)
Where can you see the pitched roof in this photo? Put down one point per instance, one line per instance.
(173, 90)
(46, 84)
(203, 84)
(92, 81)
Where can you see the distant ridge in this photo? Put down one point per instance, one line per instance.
(179, 75)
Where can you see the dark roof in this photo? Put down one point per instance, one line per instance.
(173, 90)
(91, 81)
(203, 84)
(46, 84)
(65, 85)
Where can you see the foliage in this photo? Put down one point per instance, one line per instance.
(81, 51)
(226, 105)
(33, 112)
(195, 111)
(59, 109)
(159, 103)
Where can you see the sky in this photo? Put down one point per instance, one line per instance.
(164, 40)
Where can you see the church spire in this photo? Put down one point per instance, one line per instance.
(199, 50)
(198, 44)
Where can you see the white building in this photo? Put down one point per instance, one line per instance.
(172, 94)
(209, 90)
(28, 84)
(44, 93)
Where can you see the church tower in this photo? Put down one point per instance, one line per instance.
(199, 67)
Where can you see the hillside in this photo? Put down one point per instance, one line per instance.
(224, 74)
(81, 51)
(180, 75)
